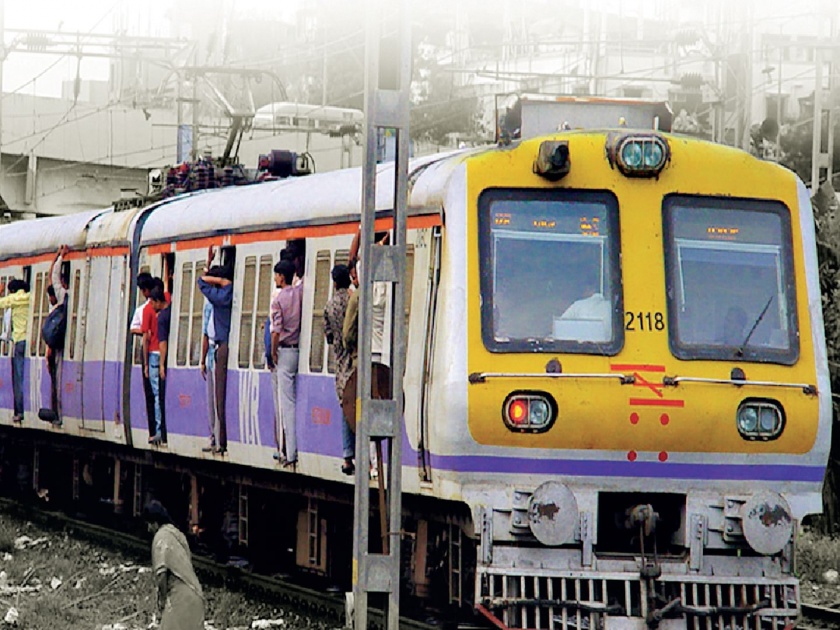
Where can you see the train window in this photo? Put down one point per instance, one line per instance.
(184, 313)
(35, 330)
(74, 311)
(322, 293)
(729, 273)
(246, 319)
(342, 256)
(168, 274)
(264, 287)
(40, 309)
(228, 256)
(298, 246)
(27, 274)
(44, 310)
(197, 325)
(65, 271)
(550, 271)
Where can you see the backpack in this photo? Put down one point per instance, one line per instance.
(55, 327)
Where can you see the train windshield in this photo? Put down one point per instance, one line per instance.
(550, 276)
(730, 280)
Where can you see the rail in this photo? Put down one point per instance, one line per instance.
(308, 601)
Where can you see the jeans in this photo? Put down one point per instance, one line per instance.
(348, 440)
(212, 415)
(17, 376)
(287, 367)
(149, 398)
(154, 379)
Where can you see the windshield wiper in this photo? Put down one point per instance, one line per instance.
(740, 351)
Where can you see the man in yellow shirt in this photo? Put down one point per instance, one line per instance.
(18, 301)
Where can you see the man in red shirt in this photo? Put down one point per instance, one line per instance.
(151, 358)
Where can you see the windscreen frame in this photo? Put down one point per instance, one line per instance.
(612, 271)
(718, 352)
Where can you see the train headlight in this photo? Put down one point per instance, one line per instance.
(631, 155)
(747, 420)
(638, 154)
(760, 419)
(539, 412)
(529, 412)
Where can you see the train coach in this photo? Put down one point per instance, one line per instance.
(617, 398)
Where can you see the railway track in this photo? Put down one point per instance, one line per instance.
(814, 616)
(325, 605)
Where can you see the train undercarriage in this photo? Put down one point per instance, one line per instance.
(453, 570)
(289, 526)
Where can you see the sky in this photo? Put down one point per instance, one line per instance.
(42, 74)
(98, 17)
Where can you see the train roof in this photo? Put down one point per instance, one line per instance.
(335, 196)
(41, 236)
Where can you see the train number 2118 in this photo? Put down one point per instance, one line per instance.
(645, 321)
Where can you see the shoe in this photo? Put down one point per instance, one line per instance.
(348, 468)
(156, 440)
(278, 456)
(17, 419)
(57, 423)
(208, 449)
(221, 450)
(290, 464)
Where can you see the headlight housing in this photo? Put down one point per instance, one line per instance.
(529, 412)
(760, 419)
(640, 154)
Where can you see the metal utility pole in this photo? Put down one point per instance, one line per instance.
(822, 160)
(386, 107)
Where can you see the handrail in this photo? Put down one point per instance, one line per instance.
(673, 381)
(481, 377)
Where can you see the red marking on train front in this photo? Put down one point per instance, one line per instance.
(641, 381)
(320, 415)
(664, 419)
(663, 456)
(631, 456)
(634, 418)
(634, 367)
(655, 402)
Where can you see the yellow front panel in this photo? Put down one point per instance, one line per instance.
(645, 416)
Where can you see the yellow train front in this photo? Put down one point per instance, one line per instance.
(647, 396)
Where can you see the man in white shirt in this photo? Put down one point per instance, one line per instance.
(592, 313)
(144, 284)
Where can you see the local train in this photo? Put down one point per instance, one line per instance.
(617, 402)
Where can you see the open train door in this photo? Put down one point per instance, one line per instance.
(100, 374)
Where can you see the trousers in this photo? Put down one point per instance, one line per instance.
(287, 367)
(212, 414)
(55, 365)
(17, 376)
(221, 391)
(154, 379)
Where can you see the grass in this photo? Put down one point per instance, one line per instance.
(816, 554)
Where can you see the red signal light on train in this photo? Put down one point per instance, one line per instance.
(518, 411)
(531, 412)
